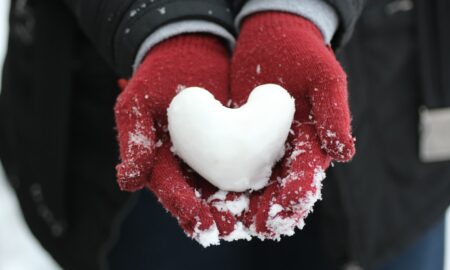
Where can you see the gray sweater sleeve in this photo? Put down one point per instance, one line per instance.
(319, 12)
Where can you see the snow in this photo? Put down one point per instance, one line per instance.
(275, 209)
(162, 10)
(282, 226)
(180, 88)
(278, 222)
(239, 233)
(234, 149)
(235, 207)
(139, 139)
(285, 226)
(208, 237)
(258, 69)
(219, 195)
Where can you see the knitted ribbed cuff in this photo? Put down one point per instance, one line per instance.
(317, 11)
(181, 27)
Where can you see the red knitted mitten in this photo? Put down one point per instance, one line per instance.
(286, 49)
(183, 61)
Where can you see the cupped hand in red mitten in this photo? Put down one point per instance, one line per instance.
(286, 49)
(141, 118)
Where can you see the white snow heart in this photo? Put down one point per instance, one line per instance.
(234, 149)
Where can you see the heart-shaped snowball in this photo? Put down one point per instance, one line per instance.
(234, 149)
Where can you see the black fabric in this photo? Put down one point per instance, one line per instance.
(435, 39)
(118, 27)
(133, 31)
(149, 236)
(33, 132)
(141, 235)
(57, 141)
(349, 12)
(57, 138)
(388, 195)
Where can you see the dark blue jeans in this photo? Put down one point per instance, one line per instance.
(152, 240)
(427, 253)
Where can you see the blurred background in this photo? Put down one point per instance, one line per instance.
(19, 250)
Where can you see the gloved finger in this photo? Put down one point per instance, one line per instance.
(137, 140)
(226, 222)
(329, 101)
(270, 209)
(227, 209)
(272, 220)
(298, 183)
(303, 170)
(263, 201)
(224, 206)
(249, 216)
(172, 189)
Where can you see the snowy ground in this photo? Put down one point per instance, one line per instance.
(18, 248)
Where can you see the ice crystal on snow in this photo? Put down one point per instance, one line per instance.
(180, 88)
(258, 69)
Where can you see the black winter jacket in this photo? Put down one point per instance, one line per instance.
(57, 141)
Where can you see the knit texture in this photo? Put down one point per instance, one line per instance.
(286, 49)
(146, 160)
(319, 12)
(182, 27)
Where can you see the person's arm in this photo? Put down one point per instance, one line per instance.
(118, 28)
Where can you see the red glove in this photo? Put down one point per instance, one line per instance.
(286, 49)
(183, 61)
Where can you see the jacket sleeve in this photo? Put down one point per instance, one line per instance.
(349, 12)
(119, 27)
